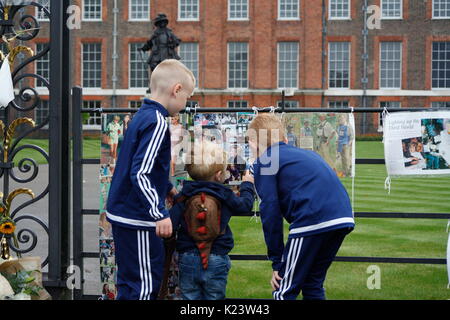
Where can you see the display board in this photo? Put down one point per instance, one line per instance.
(329, 134)
(417, 143)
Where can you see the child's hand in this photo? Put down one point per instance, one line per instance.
(274, 281)
(164, 228)
(248, 177)
(170, 196)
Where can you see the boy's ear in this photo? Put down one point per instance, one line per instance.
(177, 88)
(218, 176)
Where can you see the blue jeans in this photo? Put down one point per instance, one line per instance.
(199, 284)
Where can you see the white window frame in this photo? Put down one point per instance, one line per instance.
(47, 103)
(188, 19)
(139, 61)
(82, 64)
(36, 83)
(349, 65)
(130, 2)
(431, 73)
(47, 5)
(278, 64)
(392, 18)
(92, 20)
(131, 102)
(287, 102)
(188, 62)
(434, 104)
(341, 102)
(94, 116)
(232, 103)
(289, 18)
(349, 17)
(228, 66)
(433, 12)
(401, 67)
(238, 19)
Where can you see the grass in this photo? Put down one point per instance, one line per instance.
(91, 150)
(415, 238)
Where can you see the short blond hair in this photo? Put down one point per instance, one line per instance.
(267, 129)
(207, 158)
(169, 73)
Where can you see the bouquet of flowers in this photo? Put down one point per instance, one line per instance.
(21, 279)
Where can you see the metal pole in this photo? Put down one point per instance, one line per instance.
(77, 191)
(59, 180)
(268, 109)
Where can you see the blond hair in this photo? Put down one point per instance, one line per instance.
(207, 158)
(266, 129)
(169, 73)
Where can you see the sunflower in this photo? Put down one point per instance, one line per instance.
(7, 226)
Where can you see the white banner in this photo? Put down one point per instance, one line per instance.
(417, 143)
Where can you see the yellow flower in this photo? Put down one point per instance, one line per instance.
(7, 228)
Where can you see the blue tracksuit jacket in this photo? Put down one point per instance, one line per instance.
(300, 186)
(141, 178)
(231, 205)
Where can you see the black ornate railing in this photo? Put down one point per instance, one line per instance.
(19, 28)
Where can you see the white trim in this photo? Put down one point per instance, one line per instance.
(146, 167)
(133, 222)
(401, 67)
(322, 225)
(349, 17)
(278, 64)
(392, 18)
(92, 127)
(141, 19)
(92, 20)
(244, 91)
(433, 16)
(297, 18)
(36, 13)
(188, 19)
(129, 68)
(228, 67)
(238, 19)
(291, 264)
(349, 64)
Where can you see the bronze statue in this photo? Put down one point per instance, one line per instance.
(162, 44)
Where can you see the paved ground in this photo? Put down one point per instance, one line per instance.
(40, 210)
(91, 200)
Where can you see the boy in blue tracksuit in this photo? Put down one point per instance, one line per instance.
(299, 186)
(140, 184)
(196, 281)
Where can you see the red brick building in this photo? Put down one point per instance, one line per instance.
(245, 52)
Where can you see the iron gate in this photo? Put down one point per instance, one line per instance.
(20, 27)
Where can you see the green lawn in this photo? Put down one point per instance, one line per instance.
(420, 238)
(415, 238)
(91, 149)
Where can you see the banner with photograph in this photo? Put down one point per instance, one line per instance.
(114, 127)
(229, 129)
(329, 134)
(417, 143)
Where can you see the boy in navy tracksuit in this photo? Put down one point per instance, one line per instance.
(197, 282)
(299, 186)
(140, 184)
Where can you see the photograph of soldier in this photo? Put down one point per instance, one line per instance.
(345, 144)
(325, 134)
